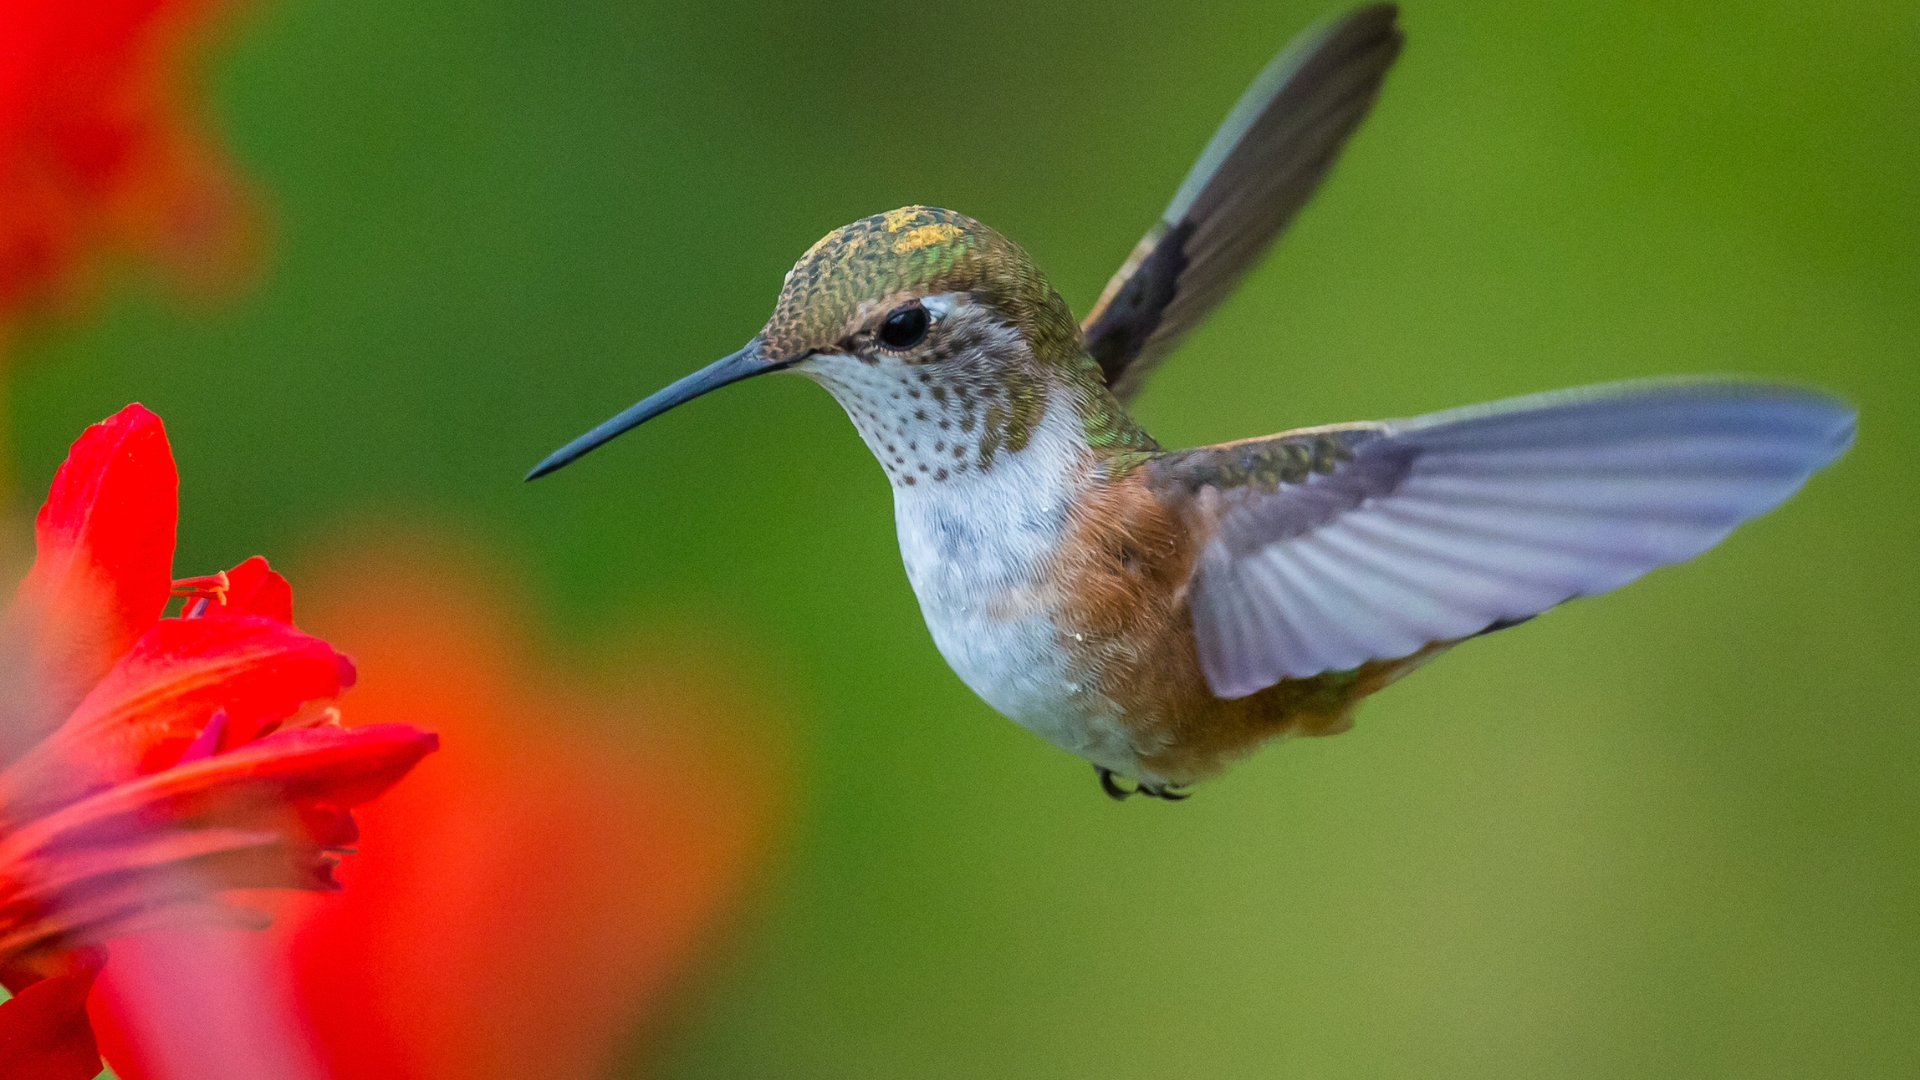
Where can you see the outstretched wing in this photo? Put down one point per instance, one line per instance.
(1328, 547)
(1259, 170)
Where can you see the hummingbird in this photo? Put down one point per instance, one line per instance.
(1162, 612)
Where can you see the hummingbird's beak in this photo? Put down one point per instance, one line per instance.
(728, 369)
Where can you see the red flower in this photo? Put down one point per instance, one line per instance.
(542, 887)
(100, 150)
(147, 762)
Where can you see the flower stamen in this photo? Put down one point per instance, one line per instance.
(199, 591)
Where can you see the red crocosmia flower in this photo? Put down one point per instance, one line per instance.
(147, 762)
(542, 887)
(101, 149)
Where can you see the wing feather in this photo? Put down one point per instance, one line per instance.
(1259, 169)
(1327, 548)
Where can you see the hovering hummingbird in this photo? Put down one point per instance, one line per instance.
(1162, 612)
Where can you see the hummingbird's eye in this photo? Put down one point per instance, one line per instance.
(905, 328)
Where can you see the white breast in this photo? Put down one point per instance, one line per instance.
(977, 534)
(976, 549)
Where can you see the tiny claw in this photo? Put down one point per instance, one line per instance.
(1109, 785)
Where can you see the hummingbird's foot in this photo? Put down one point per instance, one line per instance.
(1152, 791)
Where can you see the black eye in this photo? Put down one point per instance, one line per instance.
(905, 328)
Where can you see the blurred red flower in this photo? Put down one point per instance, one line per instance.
(147, 762)
(102, 150)
(539, 888)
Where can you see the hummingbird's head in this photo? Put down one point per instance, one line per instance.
(920, 321)
(938, 335)
(855, 291)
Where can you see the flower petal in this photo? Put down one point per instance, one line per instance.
(147, 711)
(101, 151)
(45, 1034)
(336, 766)
(549, 881)
(101, 574)
(201, 1003)
(64, 896)
(255, 589)
(272, 813)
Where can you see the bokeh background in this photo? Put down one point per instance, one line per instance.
(1671, 832)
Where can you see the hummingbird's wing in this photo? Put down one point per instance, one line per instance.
(1257, 172)
(1324, 548)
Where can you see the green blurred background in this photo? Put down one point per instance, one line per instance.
(1671, 832)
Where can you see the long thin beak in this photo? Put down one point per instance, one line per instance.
(728, 369)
